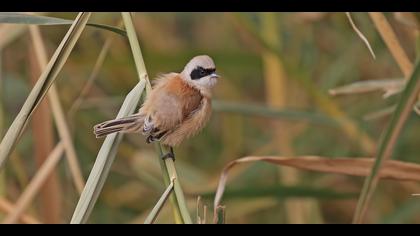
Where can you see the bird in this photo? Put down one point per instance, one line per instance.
(177, 108)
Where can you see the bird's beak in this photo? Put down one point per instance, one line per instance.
(214, 75)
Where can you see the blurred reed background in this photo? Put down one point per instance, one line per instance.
(273, 100)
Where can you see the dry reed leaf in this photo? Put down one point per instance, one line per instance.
(349, 166)
(389, 86)
(360, 34)
(391, 41)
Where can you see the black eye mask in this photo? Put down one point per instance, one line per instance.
(200, 72)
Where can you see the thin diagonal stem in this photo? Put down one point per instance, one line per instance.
(156, 209)
(389, 141)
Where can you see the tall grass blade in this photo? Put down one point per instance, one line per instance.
(41, 87)
(22, 18)
(389, 140)
(104, 160)
(108, 150)
(43, 143)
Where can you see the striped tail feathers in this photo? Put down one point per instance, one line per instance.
(130, 124)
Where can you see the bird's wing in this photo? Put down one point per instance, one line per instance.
(166, 112)
(163, 107)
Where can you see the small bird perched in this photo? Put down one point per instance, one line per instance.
(178, 106)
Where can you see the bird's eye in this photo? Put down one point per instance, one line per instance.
(198, 72)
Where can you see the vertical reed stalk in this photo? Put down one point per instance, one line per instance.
(43, 136)
(277, 90)
(391, 41)
(169, 170)
(58, 113)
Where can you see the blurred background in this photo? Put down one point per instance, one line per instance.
(284, 62)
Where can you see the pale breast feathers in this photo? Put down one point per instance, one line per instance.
(192, 125)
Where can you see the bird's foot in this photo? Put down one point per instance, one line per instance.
(170, 154)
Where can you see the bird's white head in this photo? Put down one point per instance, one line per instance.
(200, 72)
